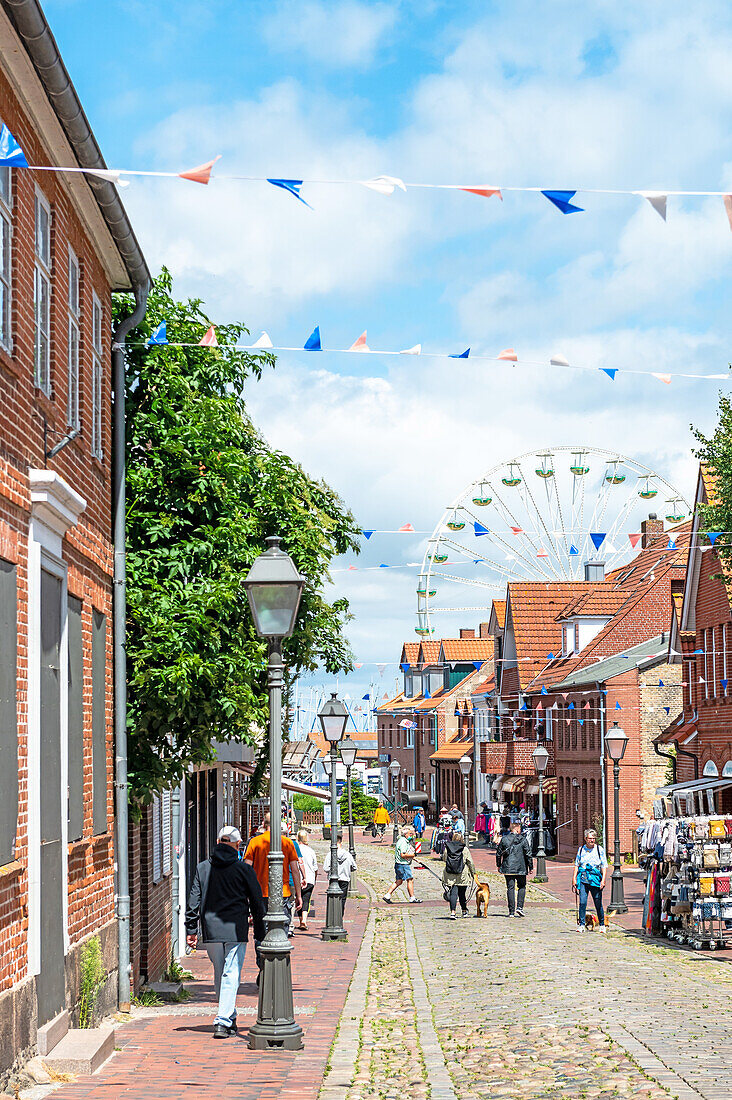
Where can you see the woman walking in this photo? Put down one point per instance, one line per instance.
(309, 865)
(458, 874)
(590, 872)
(514, 862)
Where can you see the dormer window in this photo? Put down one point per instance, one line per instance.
(570, 639)
(579, 632)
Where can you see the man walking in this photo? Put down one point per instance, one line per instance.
(256, 856)
(381, 820)
(514, 862)
(224, 892)
(345, 864)
(404, 853)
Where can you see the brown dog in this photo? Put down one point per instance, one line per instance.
(591, 922)
(482, 897)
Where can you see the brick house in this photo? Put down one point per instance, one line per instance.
(699, 647)
(573, 657)
(66, 245)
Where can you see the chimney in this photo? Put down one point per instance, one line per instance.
(467, 632)
(651, 529)
(483, 631)
(594, 571)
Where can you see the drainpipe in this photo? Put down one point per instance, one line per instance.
(602, 764)
(119, 604)
(175, 799)
(668, 756)
(692, 756)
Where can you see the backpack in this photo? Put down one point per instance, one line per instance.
(454, 861)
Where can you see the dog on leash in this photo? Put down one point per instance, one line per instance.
(591, 922)
(482, 897)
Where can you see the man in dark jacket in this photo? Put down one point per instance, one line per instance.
(224, 891)
(513, 860)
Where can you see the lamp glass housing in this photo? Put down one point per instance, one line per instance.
(327, 765)
(616, 741)
(395, 767)
(541, 759)
(465, 765)
(348, 752)
(333, 718)
(273, 587)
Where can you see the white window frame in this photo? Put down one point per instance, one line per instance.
(6, 263)
(97, 321)
(74, 337)
(548, 724)
(706, 662)
(724, 655)
(157, 839)
(41, 282)
(714, 662)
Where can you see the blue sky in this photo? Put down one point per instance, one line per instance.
(563, 95)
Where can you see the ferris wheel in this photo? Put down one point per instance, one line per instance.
(540, 516)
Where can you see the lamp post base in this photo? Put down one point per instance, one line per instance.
(275, 1028)
(617, 895)
(333, 929)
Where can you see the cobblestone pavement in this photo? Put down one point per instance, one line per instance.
(528, 1008)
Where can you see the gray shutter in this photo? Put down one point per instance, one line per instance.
(99, 724)
(167, 861)
(8, 712)
(156, 840)
(76, 722)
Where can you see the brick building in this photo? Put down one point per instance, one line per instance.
(701, 624)
(66, 245)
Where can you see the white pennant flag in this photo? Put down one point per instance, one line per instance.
(657, 199)
(559, 361)
(384, 185)
(416, 350)
(110, 175)
(263, 341)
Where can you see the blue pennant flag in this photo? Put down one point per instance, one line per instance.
(159, 335)
(573, 550)
(366, 696)
(724, 684)
(697, 651)
(11, 154)
(405, 666)
(480, 529)
(618, 706)
(367, 534)
(561, 200)
(667, 709)
(571, 706)
(523, 706)
(671, 545)
(383, 565)
(581, 721)
(313, 341)
(543, 690)
(293, 186)
(462, 355)
(550, 656)
(457, 711)
(713, 536)
(427, 694)
(598, 537)
(609, 371)
(660, 683)
(478, 665)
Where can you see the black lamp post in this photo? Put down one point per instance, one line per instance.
(394, 769)
(465, 764)
(616, 741)
(541, 759)
(333, 718)
(273, 587)
(348, 756)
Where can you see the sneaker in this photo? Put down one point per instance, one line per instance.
(580, 928)
(511, 914)
(453, 916)
(387, 899)
(465, 913)
(415, 901)
(233, 1029)
(519, 913)
(220, 1031)
(602, 928)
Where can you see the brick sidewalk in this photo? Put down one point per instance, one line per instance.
(169, 1056)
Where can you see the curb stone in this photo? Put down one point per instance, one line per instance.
(434, 1059)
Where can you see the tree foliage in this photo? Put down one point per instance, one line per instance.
(204, 490)
(362, 804)
(716, 454)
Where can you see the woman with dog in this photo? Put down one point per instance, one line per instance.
(514, 862)
(590, 872)
(458, 874)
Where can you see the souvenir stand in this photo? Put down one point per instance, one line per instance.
(686, 849)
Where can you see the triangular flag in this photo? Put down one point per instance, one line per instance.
(201, 174)
(478, 665)
(360, 344)
(543, 690)
(561, 200)
(367, 534)
(462, 355)
(263, 341)
(539, 705)
(671, 545)
(568, 721)
(662, 377)
(313, 341)
(487, 192)
(111, 176)
(550, 656)
(573, 550)
(293, 186)
(416, 350)
(667, 709)
(517, 530)
(480, 529)
(598, 537)
(618, 706)
(727, 200)
(523, 706)
(609, 371)
(382, 669)
(11, 154)
(565, 695)
(542, 553)
(406, 527)
(405, 666)
(657, 199)
(352, 568)
(558, 361)
(581, 721)
(701, 680)
(384, 185)
(571, 707)
(508, 354)
(383, 566)
(724, 684)
(159, 335)
(427, 693)
(713, 536)
(634, 539)
(660, 683)
(209, 340)
(587, 706)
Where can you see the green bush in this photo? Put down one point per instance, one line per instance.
(363, 805)
(93, 976)
(308, 803)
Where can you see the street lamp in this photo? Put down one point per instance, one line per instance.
(273, 587)
(541, 759)
(333, 718)
(394, 769)
(616, 741)
(348, 756)
(465, 765)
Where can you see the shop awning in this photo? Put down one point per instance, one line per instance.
(550, 784)
(511, 783)
(710, 783)
(288, 784)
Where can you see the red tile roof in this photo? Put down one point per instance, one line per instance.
(467, 649)
(428, 653)
(499, 607)
(454, 749)
(488, 684)
(410, 653)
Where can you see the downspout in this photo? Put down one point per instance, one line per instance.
(692, 756)
(668, 756)
(175, 798)
(602, 764)
(119, 617)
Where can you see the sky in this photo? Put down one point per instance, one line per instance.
(563, 95)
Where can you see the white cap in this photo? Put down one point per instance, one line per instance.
(230, 833)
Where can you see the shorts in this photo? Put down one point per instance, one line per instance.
(402, 872)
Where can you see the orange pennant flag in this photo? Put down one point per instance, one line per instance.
(634, 540)
(360, 344)
(406, 527)
(209, 340)
(727, 199)
(509, 354)
(201, 174)
(662, 377)
(487, 192)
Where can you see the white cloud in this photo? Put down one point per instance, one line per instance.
(337, 33)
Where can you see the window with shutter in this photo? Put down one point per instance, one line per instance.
(99, 721)
(8, 713)
(157, 851)
(167, 836)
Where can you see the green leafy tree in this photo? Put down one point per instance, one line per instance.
(716, 454)
(363, 805)
(204, 490)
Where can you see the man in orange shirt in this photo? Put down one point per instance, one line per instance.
(256, 856)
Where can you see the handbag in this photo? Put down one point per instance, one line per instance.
(725, 855)
(706, 884)
(711, 910)
(716, 828)
(711, 856)
(722, 884)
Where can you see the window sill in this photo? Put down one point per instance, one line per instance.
(10, 870)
